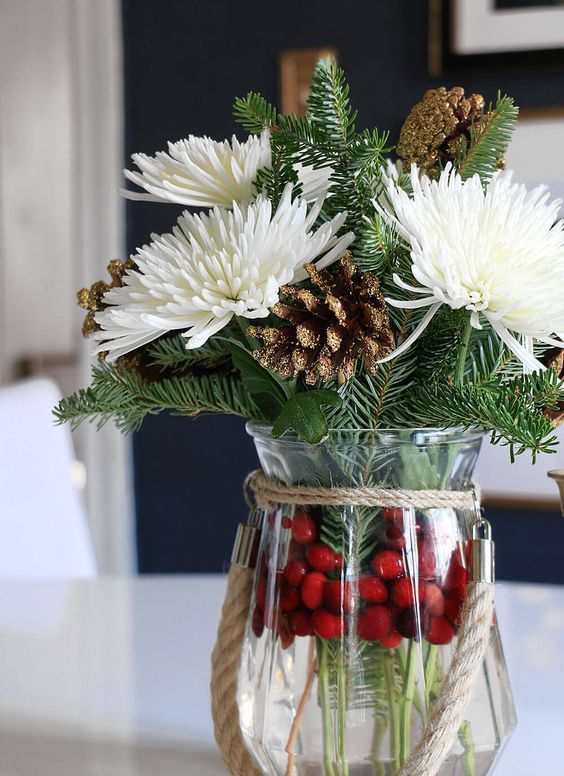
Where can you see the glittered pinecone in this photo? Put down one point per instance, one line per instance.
(554, 359)
(324, 331)
(92, 299)
(438, 128)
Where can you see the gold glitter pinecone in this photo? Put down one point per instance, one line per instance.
(438, 128)
(92, 299)
(325, 333)
(554, 359)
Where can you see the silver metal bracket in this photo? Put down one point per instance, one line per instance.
(482, 552)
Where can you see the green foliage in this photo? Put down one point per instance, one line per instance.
(304, 414)
(378, 247)
(254, 113)
(264, 387)
(489, 139)
(329, 105)
(512, 411)
(121, 394)
(326, 136)
(437, 349)
(170, 353)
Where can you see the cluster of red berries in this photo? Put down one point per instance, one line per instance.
(310, 597)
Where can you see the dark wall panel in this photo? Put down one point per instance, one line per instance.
(184, 64)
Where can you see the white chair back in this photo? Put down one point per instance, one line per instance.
(43, 525)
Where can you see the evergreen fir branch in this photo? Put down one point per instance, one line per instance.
(489, 360)
(329, 106)
(437, 349)
(367, 151)
(254, 113)
(121, 394)
(171, 353)
(366, 397)
(377, 246)
(272, 180)
(489, 138)
(511, 412)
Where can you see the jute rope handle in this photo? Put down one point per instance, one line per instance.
(473, 638)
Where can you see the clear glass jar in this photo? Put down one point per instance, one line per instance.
(354, 614)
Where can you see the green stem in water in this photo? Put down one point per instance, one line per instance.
(467, 741)
(342, 713)
(380, 725)
(325, 700)
(462, 353)
(407, 704)
(393, 707)
(430, 670)
(417, 699)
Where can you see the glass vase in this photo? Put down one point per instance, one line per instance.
(355, 610)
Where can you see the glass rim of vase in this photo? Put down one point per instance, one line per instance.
(391, 436)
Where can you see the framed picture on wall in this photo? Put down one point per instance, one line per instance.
(477, 34)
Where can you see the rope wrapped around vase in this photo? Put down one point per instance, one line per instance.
(440, 734)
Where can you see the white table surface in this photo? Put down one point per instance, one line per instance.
(109, 677)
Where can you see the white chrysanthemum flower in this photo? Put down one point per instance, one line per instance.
(315, 181)
(201, 172)
(215, 266)
(497, 253)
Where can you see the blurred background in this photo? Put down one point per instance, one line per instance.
(83, 85)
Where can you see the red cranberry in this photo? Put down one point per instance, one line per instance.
(289, 599)
(295, 551)
(372, 589)
(394, 538)
(286, 521)
(392, 641)
(312, 589)
(327, 625)
(321, 557)
(339, 561)
(427, 560)
(295, 572)
(304, 529)
(393, 514)
(403, 593)
(300, 621)
(433, 598)
(258, 622)
(453, 607)
(260, 595)
(410, 625)
(440, 631)
(338, 596)
(374, 623)
(388, 564)
(286, 635)
(456, 574)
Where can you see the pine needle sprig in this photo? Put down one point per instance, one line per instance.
(170, 353)
(122, 395)
(512, 415)
(489, 139)
(437, 349)
(254, 113)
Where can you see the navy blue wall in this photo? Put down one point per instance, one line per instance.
(184, 64)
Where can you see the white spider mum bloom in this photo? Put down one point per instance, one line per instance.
(214, 266)
(201, 172)
(497, 253)
(315, 181)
